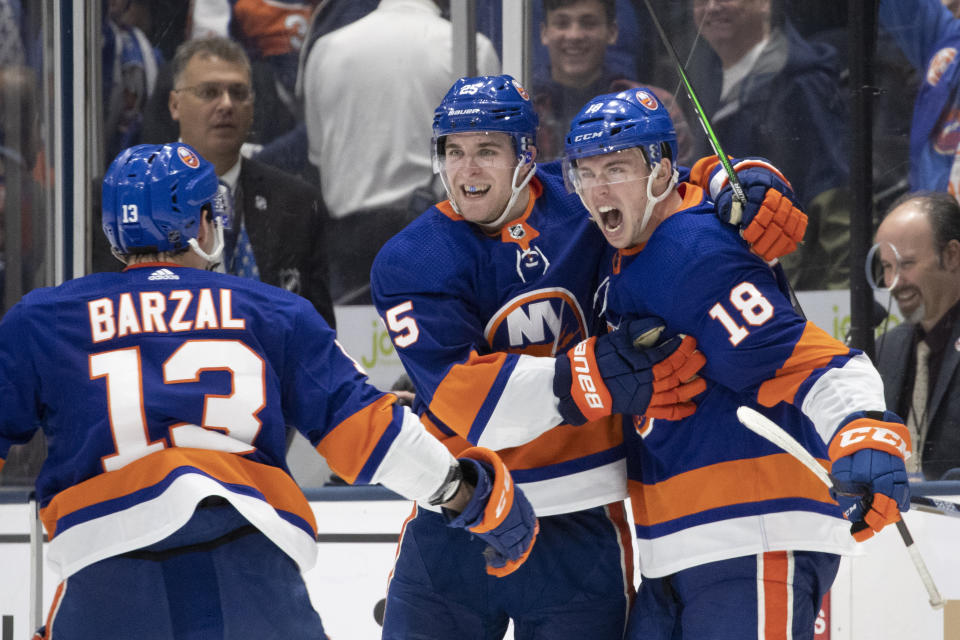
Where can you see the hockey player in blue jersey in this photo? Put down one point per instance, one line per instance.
(485, 296)
(164, 393)
(736, 538)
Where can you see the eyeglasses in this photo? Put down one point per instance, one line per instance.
(210, 91)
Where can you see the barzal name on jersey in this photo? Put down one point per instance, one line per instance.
(163, 385)
(705, 488)
(470, 314)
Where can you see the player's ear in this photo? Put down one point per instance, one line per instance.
(612, 32)
(951, 255)
(662, 172)
(173, 103)
(206, 226)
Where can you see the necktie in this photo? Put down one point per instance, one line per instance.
(238, 257)
(917, 415)
(244, 262)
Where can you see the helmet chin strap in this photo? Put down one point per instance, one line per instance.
(213, 258)
(653, 200)
(516, 189)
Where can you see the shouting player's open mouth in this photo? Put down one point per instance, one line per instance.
(610, 218)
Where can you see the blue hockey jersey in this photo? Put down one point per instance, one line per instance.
(705, 488)
(472, 316)
(162, 385)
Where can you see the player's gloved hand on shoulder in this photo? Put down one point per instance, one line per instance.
(629, 371)
(867, 453)
(498, 512)
(769, 220)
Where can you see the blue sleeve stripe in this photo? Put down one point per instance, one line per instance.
(441, 425)
(376, 456)
(492, 399)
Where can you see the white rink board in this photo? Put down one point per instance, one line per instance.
(877, 595)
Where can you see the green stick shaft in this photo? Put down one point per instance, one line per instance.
(701, 115)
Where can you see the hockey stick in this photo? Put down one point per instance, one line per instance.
(766, 428)
(935, 505)
(739, 197)
(36, 563)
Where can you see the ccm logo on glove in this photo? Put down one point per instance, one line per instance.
(892, 438)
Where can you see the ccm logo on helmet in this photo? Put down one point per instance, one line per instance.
(582, 366)
(188, 157)
(587, 136)
(877, 434)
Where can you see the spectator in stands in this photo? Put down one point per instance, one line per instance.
(130, 66)
(919, 361)
(577, 34)
(369, 90)
(928, 32)
(278, 229)
(21, 223)
(21, 214)
(268, 30)
(273, 35)
(769, 92)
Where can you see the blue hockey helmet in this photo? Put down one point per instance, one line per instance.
(486, 103)
(153, 198)
(616, 121)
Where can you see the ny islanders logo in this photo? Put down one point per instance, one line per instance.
(188, 157)
(647, 100)
(542, 322)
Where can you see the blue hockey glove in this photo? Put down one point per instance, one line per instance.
(769, 220)
(498, 512)
(629, 371)
(869, 477)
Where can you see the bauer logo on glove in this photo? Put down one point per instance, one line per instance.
(629, 371)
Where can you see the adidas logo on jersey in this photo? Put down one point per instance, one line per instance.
(163, 274)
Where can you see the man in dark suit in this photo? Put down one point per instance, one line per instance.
(919, 361)
(277, 231)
